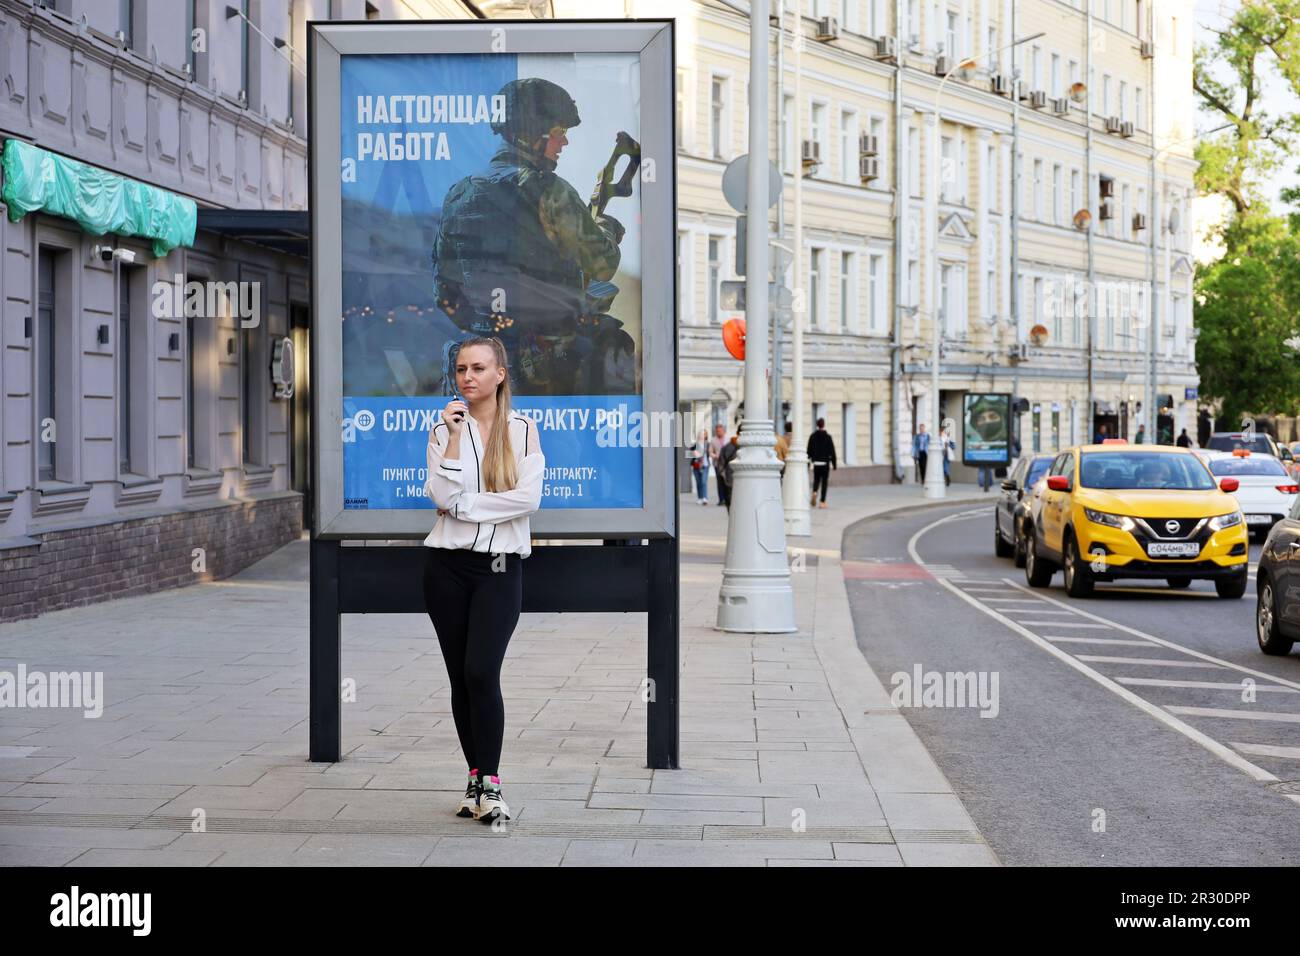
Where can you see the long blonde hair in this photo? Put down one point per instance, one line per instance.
(499, 471)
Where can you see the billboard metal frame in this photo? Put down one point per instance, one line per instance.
(652, 40)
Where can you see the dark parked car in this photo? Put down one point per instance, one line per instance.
(1012, 506)
(1277, 586)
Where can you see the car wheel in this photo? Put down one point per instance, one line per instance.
(1179, 584)
(1270, 636)
(1019, 556)
(1037, 573)
(1000, 547)
(1078, 577)
(1233, 587)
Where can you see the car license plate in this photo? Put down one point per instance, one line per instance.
(1259, 519)
(1173, 549)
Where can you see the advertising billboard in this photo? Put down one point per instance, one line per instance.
(494, 178)
(986, 423)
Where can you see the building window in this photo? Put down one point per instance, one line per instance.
(1036, 66)
(46, 367)
(124, 370)
(1038, 190)
(1075, 199)
(882, 153)
(946, 298)
(1125, 217)
(680, 118)
(878, 432)
(249, 364)
(685, 277)
(947, 169)
(1058, 193)
(815, 265)
(914, 157)
(125, 21)
(848, 293)
(849, 146)
(719, 117)
(1123, 99)
(245, 54)
(990, 293)
(715, 277)
(788, 134)
(995, 55)
(876, 293)
(913, 282)
(1138, 103)
(1105, 95)
(817, 123)
(1056, 75)
(950, 35)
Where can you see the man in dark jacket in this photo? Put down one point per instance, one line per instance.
(725, 457)
(821, 452)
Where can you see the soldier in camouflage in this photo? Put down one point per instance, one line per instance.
(519, 254)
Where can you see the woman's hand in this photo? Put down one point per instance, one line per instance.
(454, 415)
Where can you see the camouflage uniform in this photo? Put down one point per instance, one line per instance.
(517, 247)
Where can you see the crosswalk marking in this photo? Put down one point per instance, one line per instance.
(1099, 640)
(1203, 684)
(1099, 627)
(1036, 610)
(1235, 714)
(1160, 661)
(1268, 750)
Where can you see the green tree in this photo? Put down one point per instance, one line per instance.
(1228, 75)
(1248, 315)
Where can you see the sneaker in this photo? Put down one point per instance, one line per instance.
(469, 804)
(490, 804)
(822, 505)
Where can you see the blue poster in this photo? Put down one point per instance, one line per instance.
(492, 195)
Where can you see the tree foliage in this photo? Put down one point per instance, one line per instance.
(1247, 310)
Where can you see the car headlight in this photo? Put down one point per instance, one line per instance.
(1123, 522)
(1219, 522)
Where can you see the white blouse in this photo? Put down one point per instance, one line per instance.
(478, 520)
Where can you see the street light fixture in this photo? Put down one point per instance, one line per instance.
(934, 480)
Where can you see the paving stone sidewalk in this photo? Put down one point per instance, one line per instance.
(791, 754)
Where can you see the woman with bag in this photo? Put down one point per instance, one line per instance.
(485, 478)
(699, 456)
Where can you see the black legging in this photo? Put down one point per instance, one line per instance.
(821, 477)
(474, 610)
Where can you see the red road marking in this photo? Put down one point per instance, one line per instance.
(885, 571)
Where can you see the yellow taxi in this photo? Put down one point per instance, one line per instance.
(1116, 510)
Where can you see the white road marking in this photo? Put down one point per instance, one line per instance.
(1200, 685)
(1038, 610)
(1225, 754)
(1235, 714)
(1098, 640)
(1096, 627)
(1154, 661)
(1160, 640)
(1268, 750)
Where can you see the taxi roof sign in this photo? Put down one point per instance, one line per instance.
(1114, 441)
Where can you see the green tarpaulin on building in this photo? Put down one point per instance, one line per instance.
(100, 201)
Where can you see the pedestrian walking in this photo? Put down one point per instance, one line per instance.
(920, 451)
(1102, 434)
(725, 458)
(1141, 435)
(473, 571)
(949, 452)
(821, 452)
(1184, 440)
(716, 444)
(783, 448)
(699, 456)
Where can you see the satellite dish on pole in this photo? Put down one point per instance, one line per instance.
(735, 184)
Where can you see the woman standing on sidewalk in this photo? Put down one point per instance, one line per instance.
(699, 455)
(485, 478)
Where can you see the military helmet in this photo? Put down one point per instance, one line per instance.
(533, 107)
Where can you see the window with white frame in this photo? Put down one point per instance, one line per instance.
(991, 178)
(849, 432)
(1076, 198)
(990, 293)
(994, 54)
(1058, 194)
(952, 298)
(719, 117)
(1105, 95)
(717, 252)
(882, 152)
(1139, 102)
(686, 276)
(913, 282)
(1074, 72)
(950, 39)
(1125, 212)
(914, 159)
(849, 146)
(1036, 66)
(1038, 190)
(1055, 87)
(1107, 298)
(848, 293)
(877, 302)
(789, 139)
(816, 287)
(878, 432)
(1123, 99)
(817, 131)
(947, 169)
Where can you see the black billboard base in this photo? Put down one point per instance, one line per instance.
(619, 575)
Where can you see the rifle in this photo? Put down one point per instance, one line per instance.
(606, 188)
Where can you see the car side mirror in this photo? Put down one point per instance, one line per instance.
(1009, 485)
(1058, 483)
(1229, 484)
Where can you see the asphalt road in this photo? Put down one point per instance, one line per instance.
(1124, 731)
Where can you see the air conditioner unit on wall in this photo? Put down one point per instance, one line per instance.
(1148, 49)
(812, 152)
(867, 145)
(1106, 211)
(1062, 106)
(868, 168)
(1113, 124)
(1126, 128)
(1139, 221)
(886, 48)
(1105, 186)
(942, 64)
(828, 28)
(1038, 99)
(1000, 84)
